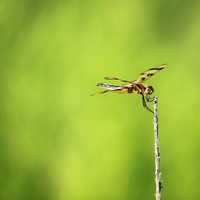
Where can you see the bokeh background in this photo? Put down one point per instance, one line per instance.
(57, 142)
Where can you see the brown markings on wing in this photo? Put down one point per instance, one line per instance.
(149, 73)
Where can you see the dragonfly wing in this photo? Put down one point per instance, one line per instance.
(117, 79)
(109, 86)
(149, 73)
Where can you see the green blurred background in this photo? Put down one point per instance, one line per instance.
(57, 142)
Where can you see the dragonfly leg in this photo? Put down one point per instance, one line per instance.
(145, 104)
(149, 98)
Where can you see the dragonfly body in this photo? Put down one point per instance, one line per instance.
(136, 86)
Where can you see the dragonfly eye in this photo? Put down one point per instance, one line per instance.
(150, 90)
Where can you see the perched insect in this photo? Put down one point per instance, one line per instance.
(136, 86)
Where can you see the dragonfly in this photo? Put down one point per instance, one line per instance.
(136, 86)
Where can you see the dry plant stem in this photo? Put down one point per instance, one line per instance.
(157, 151)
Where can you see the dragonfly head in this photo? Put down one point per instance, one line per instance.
(149, 90)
